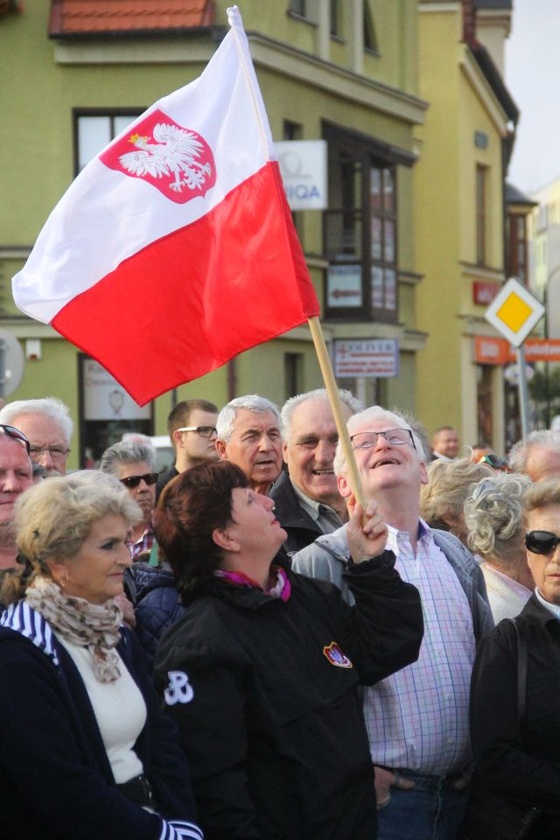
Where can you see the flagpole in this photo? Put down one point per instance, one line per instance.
(336, 406)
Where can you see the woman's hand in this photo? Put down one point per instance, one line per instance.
(367, 532)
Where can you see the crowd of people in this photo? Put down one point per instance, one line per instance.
(244, 647)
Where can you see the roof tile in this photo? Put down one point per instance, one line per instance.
(81, 17)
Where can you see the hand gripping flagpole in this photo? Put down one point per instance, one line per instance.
(336, 406)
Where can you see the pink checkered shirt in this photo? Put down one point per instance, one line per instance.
(419, 717)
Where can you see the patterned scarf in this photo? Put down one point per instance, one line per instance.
(93, 626)
(281, 589)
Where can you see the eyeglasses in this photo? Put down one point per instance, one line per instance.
(368, 440)
(16, 434)
(541, 542)
(495, 462)
(134, 480)
(203, 431)
(54, 451)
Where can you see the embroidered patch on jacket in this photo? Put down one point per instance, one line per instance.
(336, 656)
(179, 689)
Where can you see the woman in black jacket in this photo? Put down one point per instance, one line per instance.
(85, 751)
(261, 673)
(521, 761)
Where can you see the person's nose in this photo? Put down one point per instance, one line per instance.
(265, 501)
(324, 452)
(382, 442)
(265, 443)
(45, 459)
(10, 483)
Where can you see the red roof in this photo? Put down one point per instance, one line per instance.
(84, 17)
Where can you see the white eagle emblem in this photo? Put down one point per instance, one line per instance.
(175, 154)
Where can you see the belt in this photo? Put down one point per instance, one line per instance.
(139, 790)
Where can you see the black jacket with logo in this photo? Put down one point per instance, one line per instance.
(264, 694)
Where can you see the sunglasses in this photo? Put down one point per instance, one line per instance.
(203, 431)
(541, 542)
(134, 480)
(14, 433)
(495, 462)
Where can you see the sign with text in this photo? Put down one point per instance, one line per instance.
(497, 351)
(370, 358)
(514, 312)
(303, 166)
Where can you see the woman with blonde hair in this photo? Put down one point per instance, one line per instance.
(443, 498)
(494, 519)
(88, 752)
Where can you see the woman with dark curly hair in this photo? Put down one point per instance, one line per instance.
(261, 674)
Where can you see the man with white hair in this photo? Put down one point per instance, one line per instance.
(306, 497)
(537, 455)
(48, 427)
(249, 436)
(417, 719)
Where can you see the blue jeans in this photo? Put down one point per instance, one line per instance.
(431, 810)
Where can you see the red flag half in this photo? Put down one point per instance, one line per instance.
(174, 250)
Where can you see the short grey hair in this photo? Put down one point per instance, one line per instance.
(494, 515)
(126, 452)
(251, 402)
(49, 406)
(402, 421)
(346, 397)
(519, 452)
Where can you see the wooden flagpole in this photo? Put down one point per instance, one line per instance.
(336, 406)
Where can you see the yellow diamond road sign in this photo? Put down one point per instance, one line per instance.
(514, 312)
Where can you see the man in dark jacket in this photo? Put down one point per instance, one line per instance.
(306, 497)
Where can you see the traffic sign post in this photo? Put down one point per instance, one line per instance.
(514, 312)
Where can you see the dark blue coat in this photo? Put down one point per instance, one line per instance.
(56, 781)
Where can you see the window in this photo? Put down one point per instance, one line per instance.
(336, 21)
(370, 38)
(481, 215)
(94, 130)
(518, 264)
(293, 366)
(305, 9)
(360, 232)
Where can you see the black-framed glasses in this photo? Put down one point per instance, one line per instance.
(54, 451)
(495, 462)
(133, 481)
(203, 431)
(395, 437)
(541, 542)
(17, 434)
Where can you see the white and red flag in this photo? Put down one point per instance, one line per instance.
(174, 250)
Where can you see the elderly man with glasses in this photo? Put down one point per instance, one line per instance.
(15, 477)
(417, 719)
(191, 426)
(48, 427)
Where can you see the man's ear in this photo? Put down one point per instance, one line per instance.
(424, 473)
(221, 448)
(177, 439)
(223, 539)
(343, 486)
(284, 451)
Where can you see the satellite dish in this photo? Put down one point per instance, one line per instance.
(11, 363)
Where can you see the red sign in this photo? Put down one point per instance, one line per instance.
(484, 293)
(498, 351)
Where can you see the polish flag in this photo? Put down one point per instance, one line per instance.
(174, 250)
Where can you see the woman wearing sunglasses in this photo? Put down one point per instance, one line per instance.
(519, 760)
(85, 749)
(133, 464)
